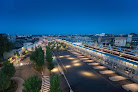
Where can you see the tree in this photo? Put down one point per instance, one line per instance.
(133, 34)
(24, 53)
(32, 84)
(58, 47)
(33, 56)
(49, 59)
(17, 53)
(5, 45)
(48, 54)
(38, 57)
(6, 73)
(5, 81)
(55, 84)
(49, 44)
(53, 46)
(8, 69)
(55, 42)
(40, 60)
(64, 45)
(50, 66)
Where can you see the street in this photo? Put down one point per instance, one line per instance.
(83, 78)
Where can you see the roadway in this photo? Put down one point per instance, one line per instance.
(83, 78)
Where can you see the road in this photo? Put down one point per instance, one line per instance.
(83, 78)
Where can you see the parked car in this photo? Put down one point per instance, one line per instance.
(21, 59)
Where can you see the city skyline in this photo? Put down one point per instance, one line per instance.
(68, 17)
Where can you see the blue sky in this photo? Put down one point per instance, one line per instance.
(68, 16)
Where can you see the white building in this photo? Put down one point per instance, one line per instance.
(28, 46)
(123, 41)
(129, 38)
(120, 41)
(102, 34)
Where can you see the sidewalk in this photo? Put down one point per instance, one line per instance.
(20, 83)
(45, 70)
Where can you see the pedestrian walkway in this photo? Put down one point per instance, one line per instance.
(27, 63)
(45, 84)
(45, 87)
(19, 82)
(22, 64)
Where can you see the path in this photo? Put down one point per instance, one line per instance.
(19, 82)
(45, 84)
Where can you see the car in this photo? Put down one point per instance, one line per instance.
(21, 59)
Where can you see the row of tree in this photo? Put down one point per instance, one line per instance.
(38, 57)
(49, 58)
(54, 79)
(57, 46)
(7, 71)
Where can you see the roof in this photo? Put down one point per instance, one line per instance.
(110, 55)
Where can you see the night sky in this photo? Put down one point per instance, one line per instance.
(68, 16)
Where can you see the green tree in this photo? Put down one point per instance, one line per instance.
(38, 57)
(33, 56)
(32, 84)
(5, 45)
(55, 42)
(50, 66)
(6, 73)
(40, 60)
(49, 44)
(58, 46)
(5, 81)
(17, 53)
(55, 84)
(49, 59)
(48, 55)
(64, 45)
(8, 69)
(133, 34)
(53, 46)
